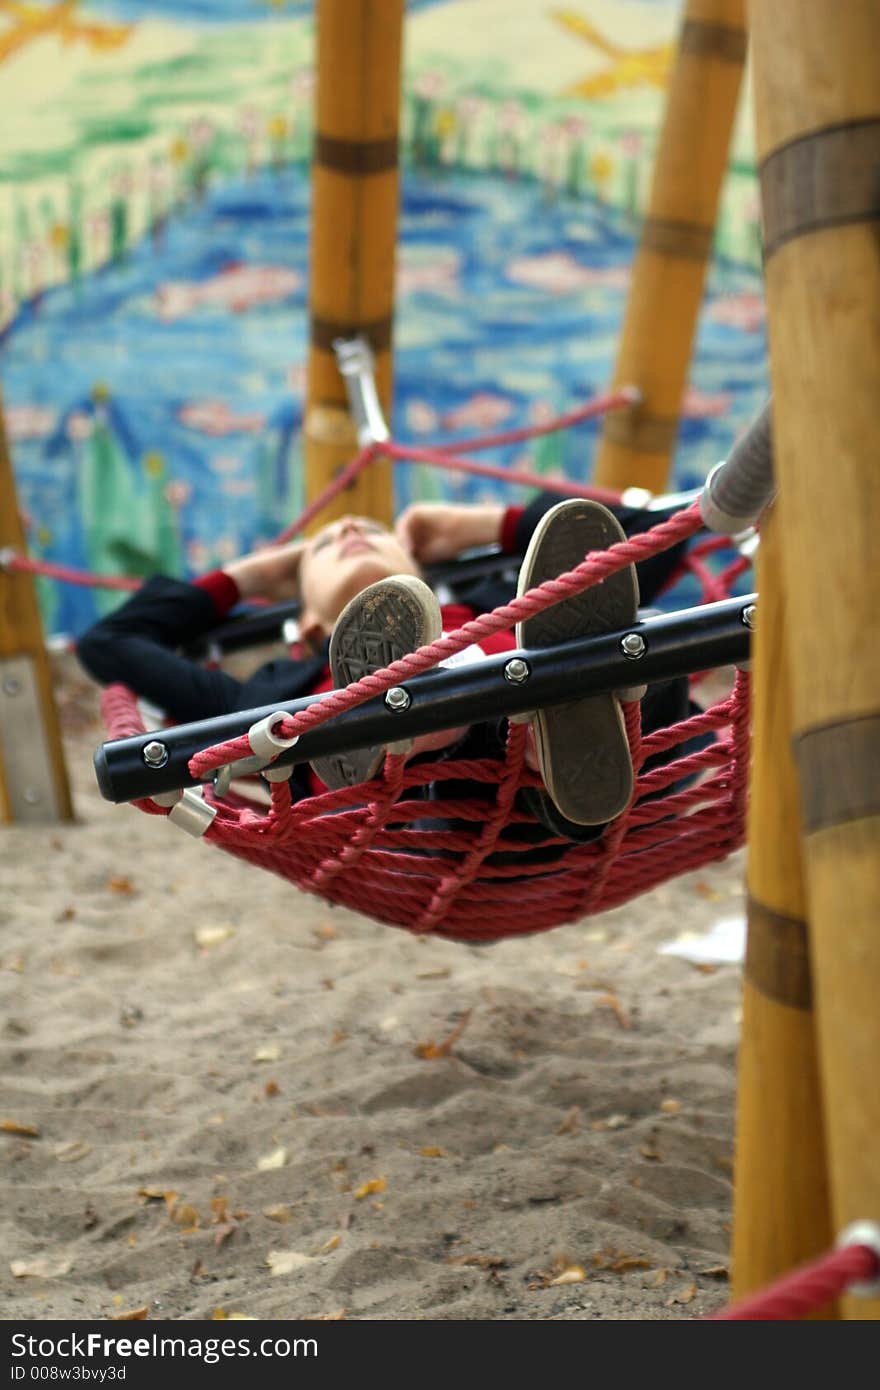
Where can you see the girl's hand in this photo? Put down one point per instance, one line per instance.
(271, 573)
(435, 531)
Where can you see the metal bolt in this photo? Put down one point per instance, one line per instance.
(11, 685)
(749, 616)
(516, 671)
(633, 645)
(155, 754)
(397, 698)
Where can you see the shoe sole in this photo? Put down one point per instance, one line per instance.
(582, 748)
(382, 623)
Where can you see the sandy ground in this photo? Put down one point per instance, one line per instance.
(216, 1099)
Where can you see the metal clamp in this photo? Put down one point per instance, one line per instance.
(192, 813)
(242, 767)
(265, 744)
(863, 1233)
(354, 359)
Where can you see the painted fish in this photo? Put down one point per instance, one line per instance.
(557, 272)
(29, 421)
(481, 411)
(238, 287)
(439, 273)
(705, 405)
(216, 418)
(746, 310)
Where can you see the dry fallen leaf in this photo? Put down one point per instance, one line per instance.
(18, 1127)
(330, 1244)
(571, 1121)
(329, 1317)
(286, 1261)
(433, 1151)
(120, 883)
(648, 1151)
(431, 1050)
(158, 1194)
(279, 1212)
(71, 1150)
(374, 1185)
(276, 1159)
(185, 1214)
(271, 1088)
(611, 1001)
(684, 1296)
(42, 1267)
(618, 1261)
(670, 1106)
(270, 1052)
(658, 1277)
(213, 935)
(572, 1274)
(481, 1261)
(715, 1272)
(132, 1315)
(610, 1122)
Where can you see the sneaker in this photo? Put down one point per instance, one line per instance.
(581, 747)
(385, 621)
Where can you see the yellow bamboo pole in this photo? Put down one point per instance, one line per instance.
(33, 774)
(675, 245)
(353, 234)
(817, 99)
(781, 1215)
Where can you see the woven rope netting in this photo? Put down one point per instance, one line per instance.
(415, 848)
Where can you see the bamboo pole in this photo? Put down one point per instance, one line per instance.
(781, 1216)
(33, 775)
(675, 245)
(354, 235)
(817, 101)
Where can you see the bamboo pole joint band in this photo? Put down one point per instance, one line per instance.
(634, 428)
(777, 958)
(710, 40)
(838, 765)
(689, 241)
(356, 158)
(824, 178)
(324, 332)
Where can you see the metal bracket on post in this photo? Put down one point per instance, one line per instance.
(355, 361)
(25, 758)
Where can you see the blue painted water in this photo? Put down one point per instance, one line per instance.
(509, 307)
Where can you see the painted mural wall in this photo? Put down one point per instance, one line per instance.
(154, 223)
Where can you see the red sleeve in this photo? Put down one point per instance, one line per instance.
(508, 529)
(222, 588)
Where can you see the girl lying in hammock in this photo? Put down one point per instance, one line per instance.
(365, 604)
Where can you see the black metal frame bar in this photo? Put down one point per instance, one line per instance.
(675, 644)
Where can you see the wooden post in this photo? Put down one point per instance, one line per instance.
(33, 776)
(354, 234)
(817, 99)
(781, 1215)
(675, 246)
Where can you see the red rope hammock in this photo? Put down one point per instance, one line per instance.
(408, 849)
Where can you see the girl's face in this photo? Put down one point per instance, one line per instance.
(343, 558)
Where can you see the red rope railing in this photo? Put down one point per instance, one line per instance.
(808, 1288)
